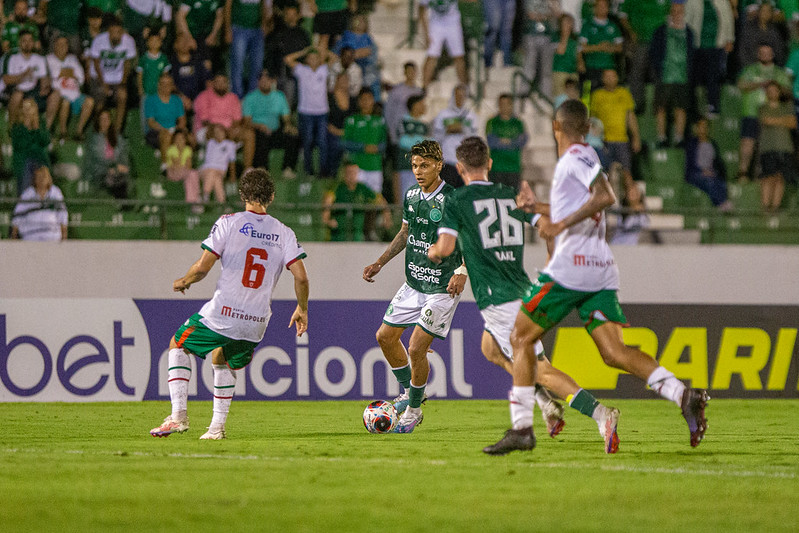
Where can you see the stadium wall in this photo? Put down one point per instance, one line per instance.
(90, 321)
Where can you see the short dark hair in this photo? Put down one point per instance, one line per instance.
(257, 187)
(573, 118)
(427, 148)
(504, 96)
(365, 90)
(473, 153)
(113, 20)
(413, 100)
(408, 64)
(25, 31)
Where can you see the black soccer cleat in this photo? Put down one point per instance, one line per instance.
(514, 439)
(693, 406)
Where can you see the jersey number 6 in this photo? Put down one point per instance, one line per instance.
(254, 272)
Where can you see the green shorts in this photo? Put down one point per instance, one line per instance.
(547, 303)
(195, 337)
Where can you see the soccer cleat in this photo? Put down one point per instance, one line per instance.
(169, 427)
(514, 439)
(214, 435)
(408, 421)
(693, 406)
(401, 402)
(552, 412)
(607, 428)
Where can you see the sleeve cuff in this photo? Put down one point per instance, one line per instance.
(205, 247)
(448, 231)
(301, 256)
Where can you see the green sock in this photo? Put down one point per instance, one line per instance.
(584, 402)
(403, 375)
(416, 395)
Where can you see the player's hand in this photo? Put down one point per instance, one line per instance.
(180, 285)
(549, 230)
(299, 319)
(371, 271)
(525, 200)
(433, 255)
(456, 284)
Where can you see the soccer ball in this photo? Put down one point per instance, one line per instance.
(379, 417)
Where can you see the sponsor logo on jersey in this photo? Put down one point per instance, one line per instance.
(240, 314)
(249, 230)
(419, 246)
(591, 261)
(423, 273)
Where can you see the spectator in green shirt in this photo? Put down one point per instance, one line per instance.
(566, 62)
(348, 223)
(672, 54)
(16, 24)
(752, 83)
(600, 40)
(151, 64)
(411, 131)
(29, 139)
(640, 19)
(777, 120)
(202, 21)
(506, 137)
(246, 22)
(713, 25)
(365, 139)
(63, 20)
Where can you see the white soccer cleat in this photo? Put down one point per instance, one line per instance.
(170, 426)
(607, 428)
(214, 435)
(552, 412)
(409, 420)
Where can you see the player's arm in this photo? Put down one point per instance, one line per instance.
(396, 246)
(602, 197)
(301, 289)
(442, 248)
(196, 272)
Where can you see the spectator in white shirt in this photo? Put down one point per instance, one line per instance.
(40, 214)
(27, 74)
(112, 54)
(220, 159)
(312, 107)
(67, 78)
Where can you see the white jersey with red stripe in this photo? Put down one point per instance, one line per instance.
(253, 250)
(582, 260)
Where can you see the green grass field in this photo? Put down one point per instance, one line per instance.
(311, 466)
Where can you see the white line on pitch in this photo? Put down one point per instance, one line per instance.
(431, 462)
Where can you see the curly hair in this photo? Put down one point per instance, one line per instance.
(256, 187)
(427, 148)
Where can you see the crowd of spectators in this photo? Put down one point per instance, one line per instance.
(220, 85)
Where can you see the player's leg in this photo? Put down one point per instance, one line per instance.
(179, 374)
(604, 319)
(388, 337)
(224, 384)
(522, 396)
(607, 418)
(418, 347)
(493, 353)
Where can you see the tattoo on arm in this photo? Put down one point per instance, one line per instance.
(396, 246)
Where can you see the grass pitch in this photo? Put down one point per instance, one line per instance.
(311, 466)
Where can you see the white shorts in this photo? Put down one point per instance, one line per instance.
(431, 312)
(450, 34)
(372, 179)
(499, 320)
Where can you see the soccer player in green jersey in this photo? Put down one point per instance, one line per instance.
(483, 222)
(430, 294)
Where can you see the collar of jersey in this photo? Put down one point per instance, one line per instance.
(480, 182)
(425, 196)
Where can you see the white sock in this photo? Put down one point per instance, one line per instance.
(522, 402)
(542, 397)
(599, 413)
(664, 383)
(178, 375)
(224, 383)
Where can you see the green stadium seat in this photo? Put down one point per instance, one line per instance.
(730, 101)
(745, 197)
(667, 165)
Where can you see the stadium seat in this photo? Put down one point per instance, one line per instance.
(667, 165)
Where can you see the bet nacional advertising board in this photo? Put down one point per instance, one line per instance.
(114, 349)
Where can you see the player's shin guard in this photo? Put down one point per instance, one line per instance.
(664, 383)
(224, 383)
(416, 395)
(584, 402)
(403, 375)
(522, 401)
(178, 374)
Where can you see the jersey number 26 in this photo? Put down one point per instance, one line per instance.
(511, 230)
